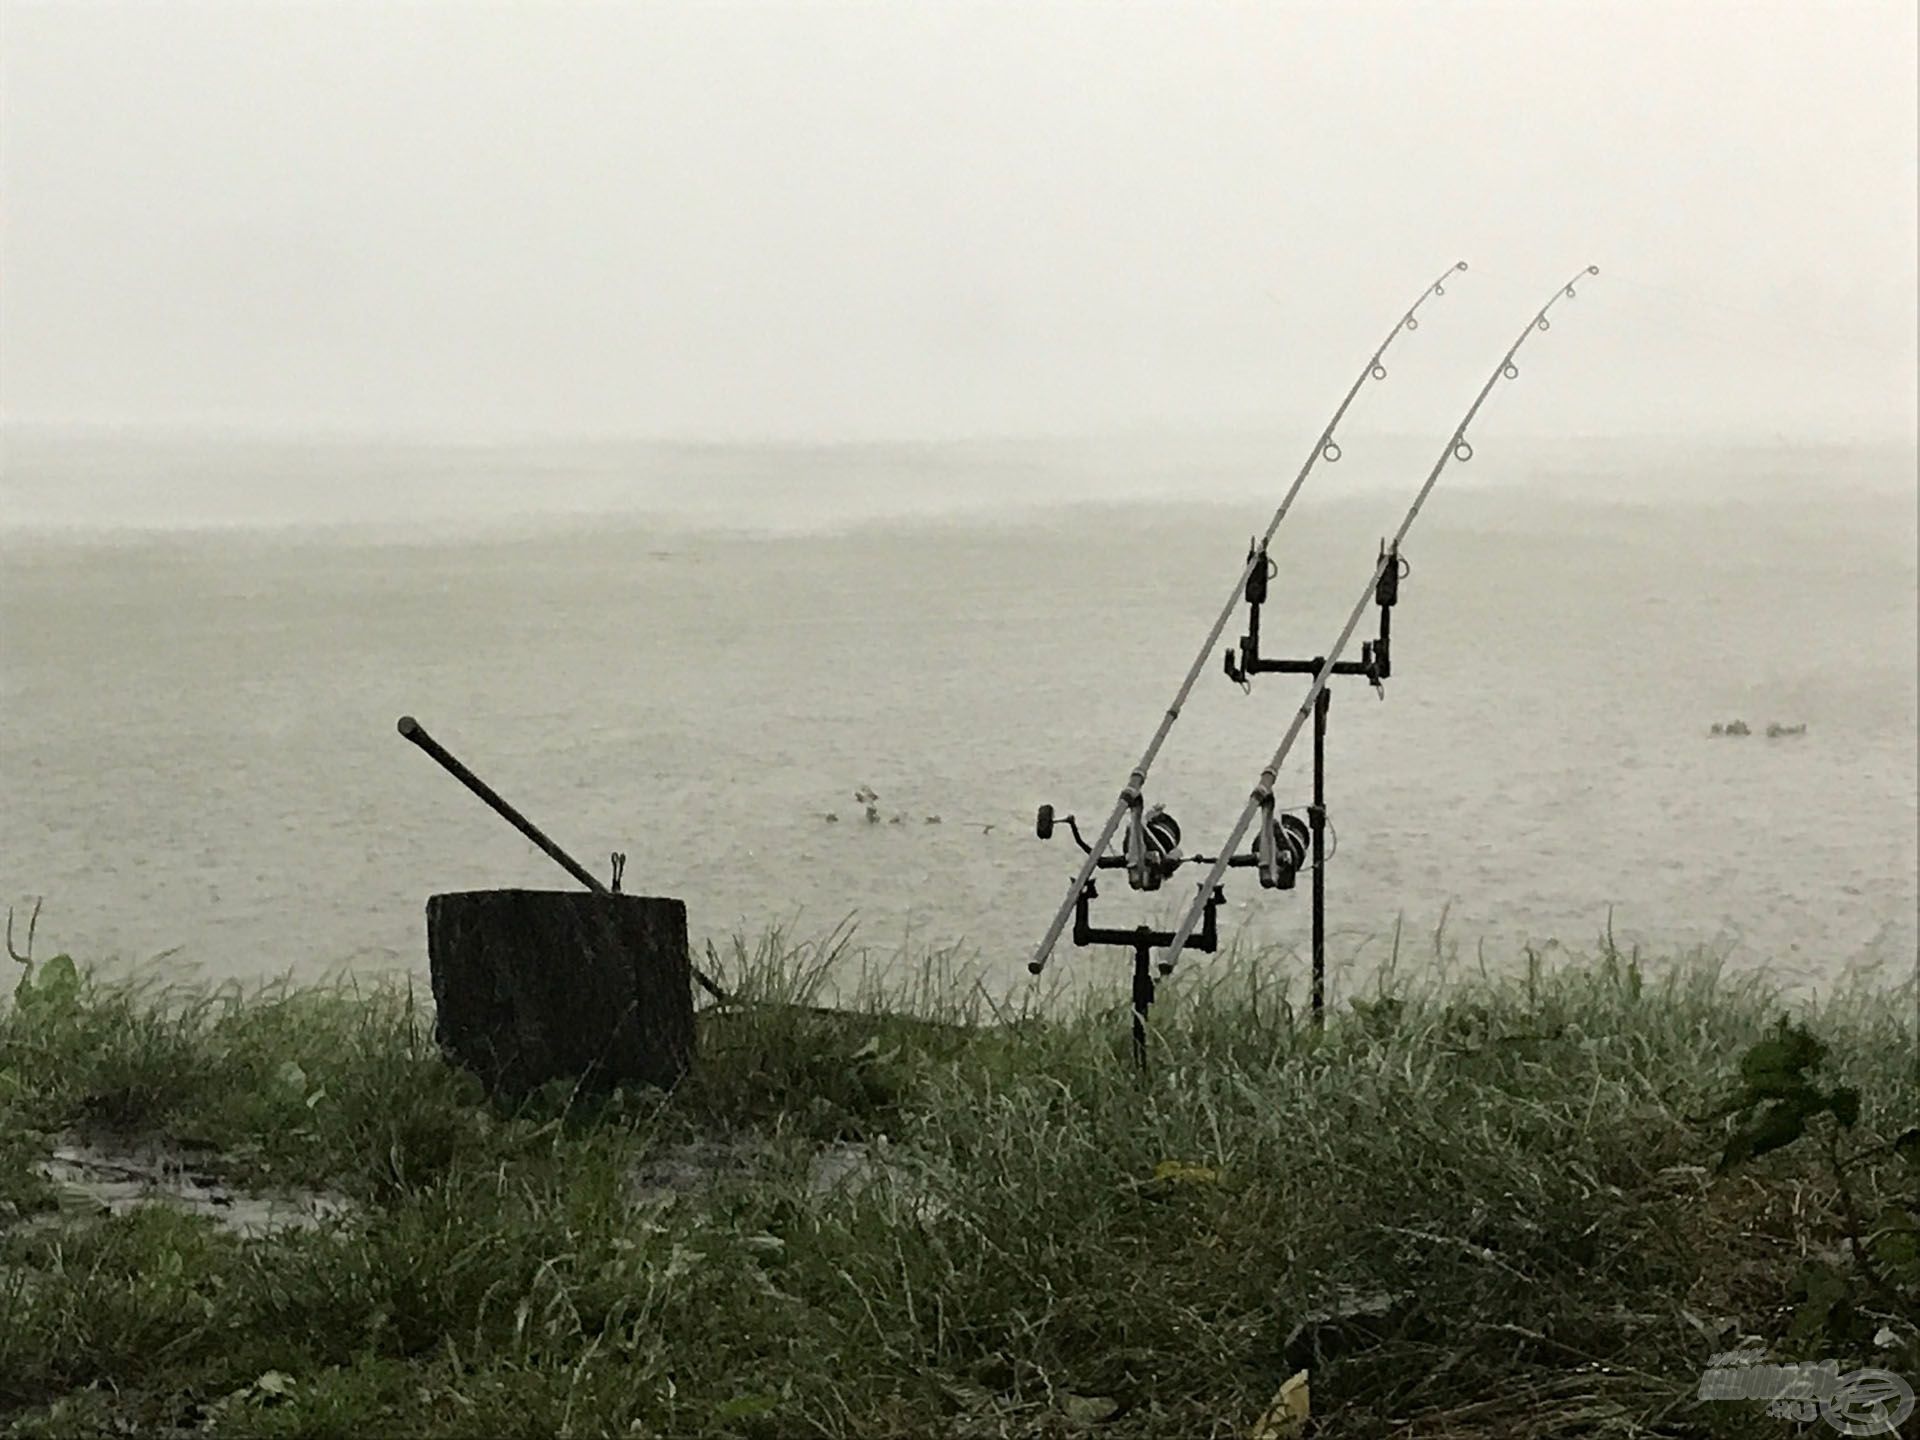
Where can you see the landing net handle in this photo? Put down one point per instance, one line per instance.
(411, 729)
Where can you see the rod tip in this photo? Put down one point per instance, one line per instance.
(1034, 967)
(1459, 264)
(409, 726)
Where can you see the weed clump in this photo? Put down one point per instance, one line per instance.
(1475, 1208)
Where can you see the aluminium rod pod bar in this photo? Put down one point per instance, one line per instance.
(1129, 803)
(1456, 448)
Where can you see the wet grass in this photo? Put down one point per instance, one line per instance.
(1511, 1176)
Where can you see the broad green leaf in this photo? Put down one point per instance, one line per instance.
(1896, 1243)
(54, 984)
(1907, 1146)
(1826, 1312)
(1779, 1124)
(1088, 1409)
(1810, 1322)
(1823, 1282)
(745, 1407)
(1778, 1065)
(1844, 1102)
(1783, 1123)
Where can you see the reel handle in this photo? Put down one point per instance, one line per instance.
(1043, 823)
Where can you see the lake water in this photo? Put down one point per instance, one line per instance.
(694, 654)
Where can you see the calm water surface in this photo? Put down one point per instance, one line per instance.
(198, 751)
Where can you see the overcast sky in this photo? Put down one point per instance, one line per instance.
(852, 221)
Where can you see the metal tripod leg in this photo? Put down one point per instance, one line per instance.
(1319, 858)
(1142, 1000)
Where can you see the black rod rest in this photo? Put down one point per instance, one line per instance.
(1375, 665)
(1140, 940)
(1376, 656)
(1150, 854)
(1143, 940)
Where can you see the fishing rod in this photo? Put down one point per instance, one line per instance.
(1143, 861)
(1260, 802)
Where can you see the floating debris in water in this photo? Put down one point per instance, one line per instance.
(869, 799)
(1775, 730)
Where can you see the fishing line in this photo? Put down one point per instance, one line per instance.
(1457, 448)
(1141, 872)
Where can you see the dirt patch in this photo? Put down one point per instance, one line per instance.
(839, 1168)
(694, 1167)
(119, 1177)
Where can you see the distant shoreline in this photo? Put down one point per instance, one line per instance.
(121, 490)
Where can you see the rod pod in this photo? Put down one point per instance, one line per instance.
(1324, 448)
(1457, 448)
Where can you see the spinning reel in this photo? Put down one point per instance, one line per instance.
(1283, 843)
(1286, 841)
(1152, 854)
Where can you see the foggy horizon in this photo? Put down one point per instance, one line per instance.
(863, 225)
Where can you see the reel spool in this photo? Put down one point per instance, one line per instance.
(1280, 849)
(1152, 850)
